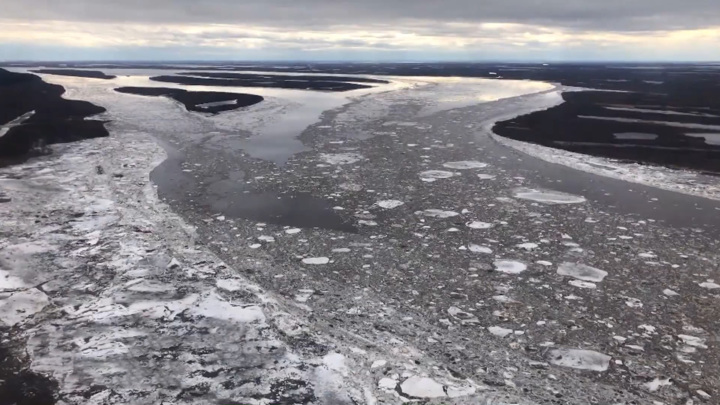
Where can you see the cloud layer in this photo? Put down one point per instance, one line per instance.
(455, 29)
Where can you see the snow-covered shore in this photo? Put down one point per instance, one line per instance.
(683, 181)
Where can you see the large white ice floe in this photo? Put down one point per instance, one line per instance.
(581, 272)
(547, 196)
(389, 204)
(430, 176)
(479, 225)
(435, 213)
(422, 387)
(579, 359)
(465, 165)
(510, 266)
(316, 260)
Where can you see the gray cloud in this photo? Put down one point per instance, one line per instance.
(603, 15)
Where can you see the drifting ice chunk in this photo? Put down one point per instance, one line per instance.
(500, 331)
(389, 204)
(547, 196)
(480, 249)
(433, 175)
(465, 164)
(422, 387)
(581, 272)
(316, 260)
(580, 359)
(510, 266)
(479, 225)
(433, 213)
(22, 305)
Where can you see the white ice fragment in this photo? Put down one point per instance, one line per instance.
(480, 249)
(292, 231)
(655, 384)
(255, 246)
(341, 250)
(693, 341)
(479, 225)
(580, 359)
(366, 222)
(10, 282)
(435, 213)
(710, 285)
(229, 284)
(510, 266)
(215, 307)
(500, 331)
(387, 384)
(335, 362)
(422, 387)
(634, 303)
(340, 158)
(483, 176)
(669, 292)
(528, 246)
(544, 263)
(547, 196)
(430, 176)
(648, 255)
(465, 164)
(22, 305)
(316, 260)
(304, 295)
(389, 204)
(266, 238)
(582, 284)
(581, 272)
(378, 363)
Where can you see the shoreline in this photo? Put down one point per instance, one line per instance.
(661, 177)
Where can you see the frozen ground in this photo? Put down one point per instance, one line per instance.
(473, 273)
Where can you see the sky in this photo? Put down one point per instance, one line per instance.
(361, 30)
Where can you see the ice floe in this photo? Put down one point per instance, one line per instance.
(479, 225)
(580, 359)
(500, 331)
(464, 165)
(435, 213)
(510, 266)
(430, 176)
(582, 284)
(480, 249)
(316, 260)
(422, 387)
(710, 285)
(483, 176)
(581, 272)
(546, 196)
(389, 204)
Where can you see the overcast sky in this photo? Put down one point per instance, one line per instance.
(547, 30)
